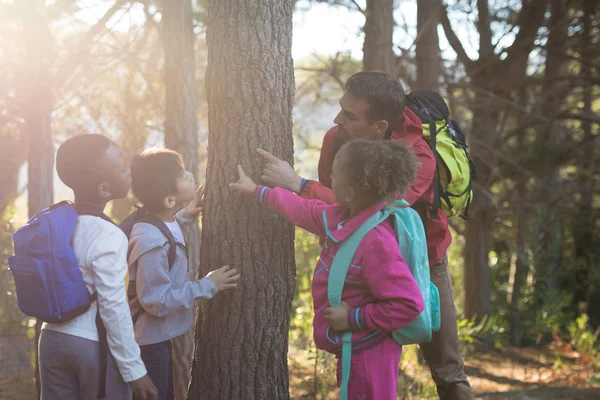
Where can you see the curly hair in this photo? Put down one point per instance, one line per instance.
(378, 169)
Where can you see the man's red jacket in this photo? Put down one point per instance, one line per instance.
(419, 195)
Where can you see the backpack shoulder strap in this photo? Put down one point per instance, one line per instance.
(343, 258)
(337, 278)
(164, 229)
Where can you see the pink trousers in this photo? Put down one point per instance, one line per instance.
(374, 372)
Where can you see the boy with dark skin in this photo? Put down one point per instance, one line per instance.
(93, 166)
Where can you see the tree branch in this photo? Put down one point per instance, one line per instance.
(453, 39)
(529, 21)
(591, 117)
(82, 50)
(486, 49)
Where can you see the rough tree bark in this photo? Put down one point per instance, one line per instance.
(427, 44)
(378, 46)
(181, 135)
(242, 336)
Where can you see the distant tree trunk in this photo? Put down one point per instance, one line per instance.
(521, 266)
(242, 339)
(181, 135)
(478, 237)
(378, 47)
(489, 86)
(36, 106)
(584, 229)
(428, 48)
(549, 252)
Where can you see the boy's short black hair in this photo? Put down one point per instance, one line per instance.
(77, 161)
(384, 94)
(154, 175)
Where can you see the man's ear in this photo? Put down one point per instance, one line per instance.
(169, 202)
(103, 190)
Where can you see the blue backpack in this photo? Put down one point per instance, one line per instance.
(413, 247)
(48, 281)
(47, 277)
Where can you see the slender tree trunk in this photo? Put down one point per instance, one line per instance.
(36, 98)
(549, 139)
(521, 266)
(181, 135)
(378, 47)
(584, 229)
(428, 48)
(242, 339)
(485, 137)
(478, 236)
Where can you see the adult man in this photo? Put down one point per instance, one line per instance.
(373, 107)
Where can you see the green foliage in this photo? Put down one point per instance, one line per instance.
(12, 321)
(584, 339)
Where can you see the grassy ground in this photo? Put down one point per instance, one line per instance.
(519, 374)
(515, 374)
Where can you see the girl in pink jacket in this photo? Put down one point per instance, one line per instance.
(380, 294)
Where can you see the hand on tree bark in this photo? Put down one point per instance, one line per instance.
(338, 317)
(279, 173)
(195, 206)
(245, 184)
(224, 278)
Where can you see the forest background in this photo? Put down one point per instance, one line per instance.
(521, 76)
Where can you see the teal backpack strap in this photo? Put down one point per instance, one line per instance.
(335, 285)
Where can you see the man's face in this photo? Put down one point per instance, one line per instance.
(353, 122)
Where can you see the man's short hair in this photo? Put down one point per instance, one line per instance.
(77, 161)
(154, 175)
(384, 94)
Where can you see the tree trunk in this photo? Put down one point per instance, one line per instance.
(181, 135)
(378, 47)
(242, 338)
(549, 252)
(521, 266)
(36, 106)
(478, 237)
(485, 138)
(584, 230)
(428, 49)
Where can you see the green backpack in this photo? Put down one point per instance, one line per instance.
(413, 247)
(455, 170)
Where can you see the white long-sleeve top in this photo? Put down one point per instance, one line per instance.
(101, 249)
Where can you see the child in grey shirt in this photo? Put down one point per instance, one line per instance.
(162, 304)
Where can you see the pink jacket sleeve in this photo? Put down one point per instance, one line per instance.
(399, 300)
(305, 213)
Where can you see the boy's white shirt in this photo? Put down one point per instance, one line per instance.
(175, 228)
(101, 249)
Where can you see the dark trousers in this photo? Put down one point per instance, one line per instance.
(157, 358)
(442, 354)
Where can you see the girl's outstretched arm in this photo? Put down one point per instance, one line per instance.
(307, 214)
